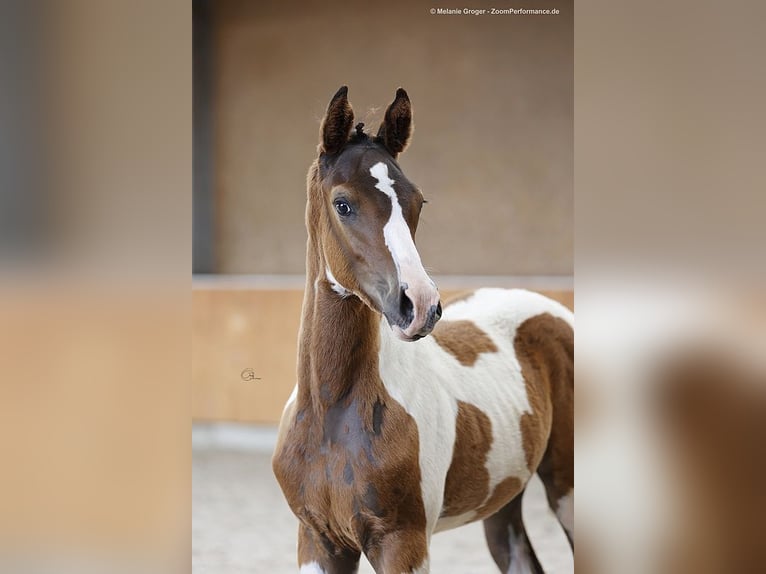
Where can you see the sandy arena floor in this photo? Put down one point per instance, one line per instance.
(242, 525)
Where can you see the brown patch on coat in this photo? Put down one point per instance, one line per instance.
(534, 430)
(464, 340)
(467, 484)
(544, 346)
(504, 492)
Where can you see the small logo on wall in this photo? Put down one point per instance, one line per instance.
(249, 375)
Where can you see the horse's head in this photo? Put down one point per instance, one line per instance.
(362, 216)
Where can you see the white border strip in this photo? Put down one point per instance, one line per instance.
(452, 282)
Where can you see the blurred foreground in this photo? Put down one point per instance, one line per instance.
(671, 419)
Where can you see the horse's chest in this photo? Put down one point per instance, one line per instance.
(355, 467)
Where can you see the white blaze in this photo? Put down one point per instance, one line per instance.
(397, 234)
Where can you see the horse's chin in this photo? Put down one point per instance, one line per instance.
(402, 336)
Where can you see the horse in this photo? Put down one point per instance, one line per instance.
(409, 418)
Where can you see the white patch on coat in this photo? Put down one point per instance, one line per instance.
(428, 381)
(396, 232)
(450, 522)
(335, 284)
(565, 512)
(311, 568)
(521, 561)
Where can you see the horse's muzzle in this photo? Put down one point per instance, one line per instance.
(417, 312)
(433, 316)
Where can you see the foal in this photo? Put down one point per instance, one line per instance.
(391, 435)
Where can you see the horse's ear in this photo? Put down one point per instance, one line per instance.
(336, 125)
(396, 129)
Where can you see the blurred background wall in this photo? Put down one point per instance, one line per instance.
(492, 151)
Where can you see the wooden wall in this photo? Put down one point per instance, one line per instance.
(493, 112)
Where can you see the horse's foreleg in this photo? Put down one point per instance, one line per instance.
(401, 552)
(319, 556)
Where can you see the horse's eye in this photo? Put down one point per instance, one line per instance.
(342, 207)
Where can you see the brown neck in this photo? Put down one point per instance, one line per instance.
(338, 341)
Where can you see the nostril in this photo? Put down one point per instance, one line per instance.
(406, 309)
(439, 310)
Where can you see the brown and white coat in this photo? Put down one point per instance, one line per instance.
(392, 435)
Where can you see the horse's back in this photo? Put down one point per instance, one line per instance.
(503, 309)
